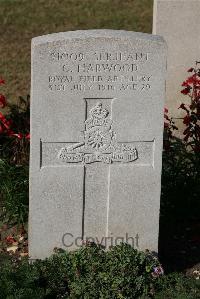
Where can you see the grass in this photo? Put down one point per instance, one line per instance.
(20, 20)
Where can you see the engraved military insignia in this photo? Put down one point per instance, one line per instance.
(99, 143)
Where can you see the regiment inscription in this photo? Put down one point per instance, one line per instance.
(79, 74)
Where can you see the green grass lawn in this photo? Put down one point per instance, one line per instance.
(20, 20)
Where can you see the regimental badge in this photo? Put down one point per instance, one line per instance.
(100, 144)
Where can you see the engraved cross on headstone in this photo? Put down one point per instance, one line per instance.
(98, 151)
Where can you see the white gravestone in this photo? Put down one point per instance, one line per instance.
(97, 102)
(178, 21)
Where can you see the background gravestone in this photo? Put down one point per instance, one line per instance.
(178, 22)
(97, 101)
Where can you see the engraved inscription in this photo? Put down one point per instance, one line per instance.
(100, 144)
(100, 56)
(100, 71)
(106, 67)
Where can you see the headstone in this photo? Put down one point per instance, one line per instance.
(97, 102)
(178, 22)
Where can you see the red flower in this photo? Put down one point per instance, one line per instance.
(19, 135)
(191, 79)
(194, 79)
(2, 101)
(27, 136)
(166, 110)
(9, 123)
(185, 84)
(10, 240)
(186, 120)
(166, 125)
(185, 91)
(5, 124)
(182, 106)
(4, 121)
(166, 117)
(12, 134)
(2, 81)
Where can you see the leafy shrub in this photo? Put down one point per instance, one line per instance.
(192, 117)
(14, 157)
(180, 196)
(180, 206)
(89, 272)
(14, 133)
(92, 272)
(181, 178)
(14, 130)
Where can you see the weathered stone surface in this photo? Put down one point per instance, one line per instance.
(178, 22)
(96, 139)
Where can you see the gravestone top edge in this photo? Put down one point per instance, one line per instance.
(96, 33)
